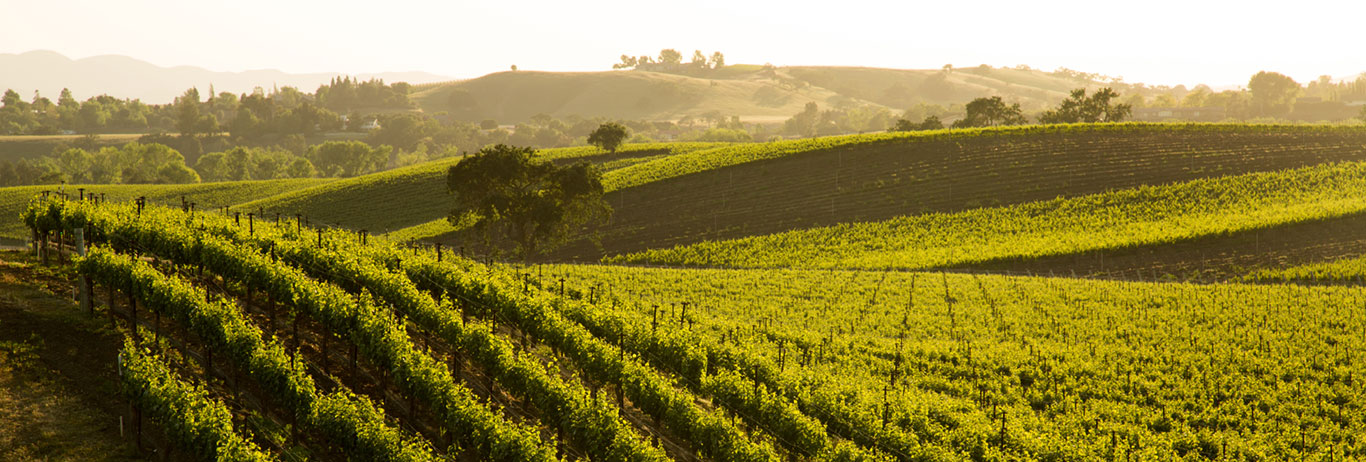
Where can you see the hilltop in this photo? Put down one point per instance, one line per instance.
(754, 93)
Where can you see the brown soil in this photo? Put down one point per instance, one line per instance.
(57, 371)
(881, 182)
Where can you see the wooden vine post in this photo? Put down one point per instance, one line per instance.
(84, 280)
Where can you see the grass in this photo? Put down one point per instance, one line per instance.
(57, 372)
(1343, 271)
(205, 195)
(510, 97)
(744, 90)
(1118, 219)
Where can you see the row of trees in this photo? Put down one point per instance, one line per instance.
(101, 114)
(144, 163)
(249, 116)
(1098, 107)
(670, 60)
(813, 121)
(132, 163)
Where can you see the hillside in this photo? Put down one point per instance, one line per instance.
(754, 94)
(390, 352)
(760, 189)
(1118, 219)
(404, 197)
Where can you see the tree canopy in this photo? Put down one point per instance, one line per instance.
(505, 191)
(1079, 108)
(608, 136)
(1273, 94)
(990, 112)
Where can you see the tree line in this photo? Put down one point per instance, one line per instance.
(993, 111)
(155, 163)
(671, 61)
(281, 111)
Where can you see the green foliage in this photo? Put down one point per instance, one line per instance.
(239, 164)
(930, 123)
(1079, 108)
(1273, 94)
(1064, 369)
(595, 423)
(991, 112)
(348, 158)
(608, 136)
(537, 313)
(133, 163)
(379, 336)
(1117, 219)
(353, 423)
(193, 421)
(344, 94)
(531, 202)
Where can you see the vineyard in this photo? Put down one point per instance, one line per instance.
(1107, 370)
(918, 313)
(1151, 215)
(14, 200)
(756, 189)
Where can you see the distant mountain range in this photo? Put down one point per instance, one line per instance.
(124, 77)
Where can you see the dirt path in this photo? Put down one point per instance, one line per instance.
(58, 395)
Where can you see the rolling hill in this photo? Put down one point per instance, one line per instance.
(409, 196)
(754, 93)
(749, 190)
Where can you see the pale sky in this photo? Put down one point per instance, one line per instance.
(1156, 42)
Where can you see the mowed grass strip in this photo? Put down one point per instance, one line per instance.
(1117, 219)
(1343, 271)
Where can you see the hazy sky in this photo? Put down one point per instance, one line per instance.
(1162, 41)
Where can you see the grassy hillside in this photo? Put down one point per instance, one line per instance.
(899, 88)
(1150, 215)
(205, 195)
(751, 92)
(516, 96)
(755, 189)
(409, 196)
